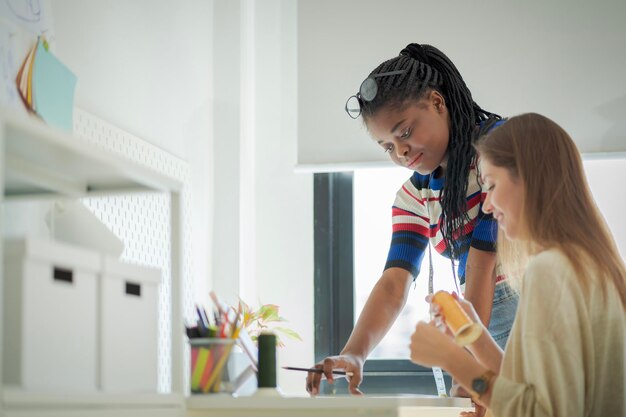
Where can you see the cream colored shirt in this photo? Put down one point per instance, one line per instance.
(565, 355)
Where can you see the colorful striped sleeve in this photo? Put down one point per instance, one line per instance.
(485, 234)
(411, 228)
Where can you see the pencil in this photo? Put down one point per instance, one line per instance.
(317, 370)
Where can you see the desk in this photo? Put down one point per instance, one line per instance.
(401, 406)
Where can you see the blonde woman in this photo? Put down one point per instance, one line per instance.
(565, 355)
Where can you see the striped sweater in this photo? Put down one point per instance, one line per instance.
(417, 218)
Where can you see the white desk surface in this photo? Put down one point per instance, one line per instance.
(217, 405)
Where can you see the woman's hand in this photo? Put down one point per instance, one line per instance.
(429, 346)
(458, 391)
(349, 363)
(468, 308)
(479, 411)
(437, 313)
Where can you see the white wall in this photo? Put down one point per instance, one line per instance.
(561, 58)
(214, 83)
(284, 202)
(225, 234)
(263, 236)
(146, 67)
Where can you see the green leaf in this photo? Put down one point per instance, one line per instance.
(279, 343)
(269, 312)
(255, 321)
(289, 333)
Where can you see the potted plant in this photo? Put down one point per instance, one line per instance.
(266, 317)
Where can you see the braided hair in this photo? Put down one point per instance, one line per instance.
(423, 68)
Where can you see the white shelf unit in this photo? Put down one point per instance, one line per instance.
(41, 162)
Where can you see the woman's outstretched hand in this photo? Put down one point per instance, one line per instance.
(349, 363)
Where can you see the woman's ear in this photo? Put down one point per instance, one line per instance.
(437, 100)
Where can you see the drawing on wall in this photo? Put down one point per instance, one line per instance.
(27, 11)
(8, 89)
(30, 15)
(21, 21)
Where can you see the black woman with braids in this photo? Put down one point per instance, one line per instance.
(417, 107)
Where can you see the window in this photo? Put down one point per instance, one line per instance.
(604, 177)
(334, 292)
(352, 235)
(374, 193)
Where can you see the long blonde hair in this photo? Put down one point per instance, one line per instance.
(558, 208)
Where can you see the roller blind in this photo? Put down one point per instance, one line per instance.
(562, 58)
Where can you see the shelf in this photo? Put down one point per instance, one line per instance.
(39, 162)
(43, 161)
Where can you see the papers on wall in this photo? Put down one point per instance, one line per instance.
(21, 21)
(47, 86)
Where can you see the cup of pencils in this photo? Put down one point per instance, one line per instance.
(209, 370)
(211, 344)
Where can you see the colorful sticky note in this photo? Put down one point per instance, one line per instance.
(53, 89)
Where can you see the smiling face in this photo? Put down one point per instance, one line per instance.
(505, 195)
(415, 136)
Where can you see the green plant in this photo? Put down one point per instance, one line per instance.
(265, 318)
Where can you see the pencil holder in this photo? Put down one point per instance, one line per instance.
(209, 370)
(464, 329)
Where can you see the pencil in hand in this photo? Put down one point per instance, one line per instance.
(317, 370)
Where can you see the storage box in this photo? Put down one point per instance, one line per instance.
(129, 327)
(50, 316)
